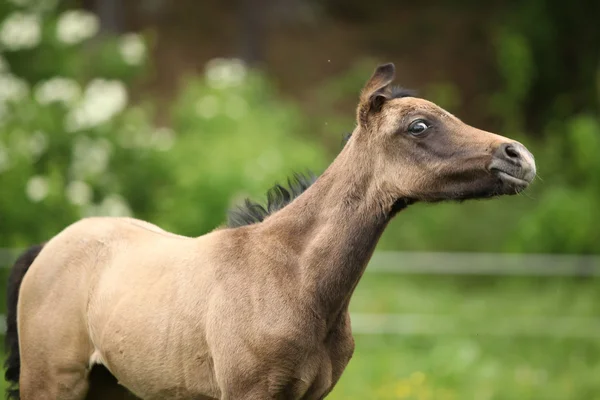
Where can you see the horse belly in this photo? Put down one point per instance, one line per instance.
(158, 367)
(165, 383)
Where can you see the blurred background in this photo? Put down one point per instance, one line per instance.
(174, 111)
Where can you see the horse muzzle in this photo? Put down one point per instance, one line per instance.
(514, 165)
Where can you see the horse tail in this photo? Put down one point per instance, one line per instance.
(12, 364)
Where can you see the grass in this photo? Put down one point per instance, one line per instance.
(464, 364)
(475, 368)
(467, 362)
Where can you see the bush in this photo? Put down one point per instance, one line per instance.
(71, 145)
(235, 139)
(68, 137)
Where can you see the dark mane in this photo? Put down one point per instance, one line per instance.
(278, 196)
(400, 92)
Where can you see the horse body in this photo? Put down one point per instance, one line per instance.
(166, 323)
(253, 312)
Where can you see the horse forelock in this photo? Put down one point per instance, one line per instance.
(399, 92)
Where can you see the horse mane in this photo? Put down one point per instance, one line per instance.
(278, 196)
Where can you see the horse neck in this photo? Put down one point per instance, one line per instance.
(332, 230)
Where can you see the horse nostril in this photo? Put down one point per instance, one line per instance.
(511, 152)
(513, 159)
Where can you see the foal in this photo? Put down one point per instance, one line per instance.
(254, 312)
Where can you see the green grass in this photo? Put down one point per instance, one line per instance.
(468, 362)
(386, 367)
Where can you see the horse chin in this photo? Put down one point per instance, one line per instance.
(483, 190)
(502, 184)
(496, 190)
(511, 185)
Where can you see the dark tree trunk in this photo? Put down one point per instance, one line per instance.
(252, 19)
(111, 14)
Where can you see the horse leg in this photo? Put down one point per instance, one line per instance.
(38, 382)
(55, 349)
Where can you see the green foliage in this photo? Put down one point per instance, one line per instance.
(516, 67)
(71, 146)
(566, 216)
(235, 139)
(67, 137)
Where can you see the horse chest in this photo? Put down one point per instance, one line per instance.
(332, 358)
(322, 366)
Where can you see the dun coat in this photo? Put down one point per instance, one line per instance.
(117, 307)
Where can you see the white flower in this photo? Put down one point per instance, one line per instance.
(79, 193)
(75, 26)
(21, 31)
(40, 5)
(132, 48)
(58, 89)
(102, 100)
(38, 143)
(222, 73)
(163, 139)
(90, 157)
(113, 205)
(12, 88)
(37, 188)
(207, 107)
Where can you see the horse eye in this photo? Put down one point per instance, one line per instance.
(417, 127)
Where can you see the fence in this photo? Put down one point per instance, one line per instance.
(407, 263)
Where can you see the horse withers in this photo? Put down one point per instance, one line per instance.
(255, 310)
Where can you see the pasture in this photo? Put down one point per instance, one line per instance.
(474, 337)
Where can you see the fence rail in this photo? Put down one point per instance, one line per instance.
(440, 325)
(393, 262)
(484, 264)
(439, 263)
(450, 325)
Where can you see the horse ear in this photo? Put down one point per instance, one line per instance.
(376, 91)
